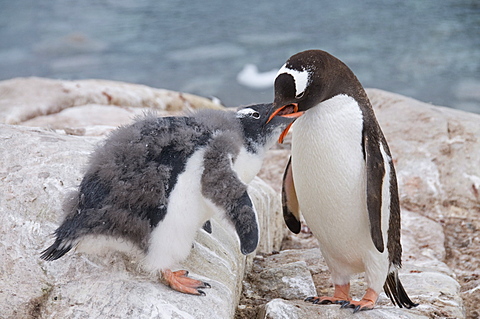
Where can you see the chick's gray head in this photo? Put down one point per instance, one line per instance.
(261, 130)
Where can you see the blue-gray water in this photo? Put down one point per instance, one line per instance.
(428, 49)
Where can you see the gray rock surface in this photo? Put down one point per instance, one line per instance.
(39, 166)
(427, 279)
(436, 153)
(283, 309)
(270, 218)
(288, 280)
(58, 104)
(435, 149)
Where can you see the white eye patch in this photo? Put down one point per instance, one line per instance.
(301, 79)
(248, 112)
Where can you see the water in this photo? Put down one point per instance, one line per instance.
(428, 49)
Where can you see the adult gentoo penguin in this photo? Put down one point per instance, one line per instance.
(341, 177)
(154, 183)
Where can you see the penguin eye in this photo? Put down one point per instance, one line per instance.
(256, 115)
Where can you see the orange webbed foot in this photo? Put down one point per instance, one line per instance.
(341, 296)
(180, 281)
(367, 303)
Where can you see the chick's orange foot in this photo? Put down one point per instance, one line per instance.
(179, 281)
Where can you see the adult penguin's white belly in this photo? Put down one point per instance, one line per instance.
(330, 180)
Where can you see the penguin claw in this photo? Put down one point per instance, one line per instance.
(357, 309)
(310, 299)
(358, 306)
(345, 304)
(201, 292)
(314, 300)
(325, 300)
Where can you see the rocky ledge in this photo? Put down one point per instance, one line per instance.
(50, 127)
(436, 151)
(43, 157)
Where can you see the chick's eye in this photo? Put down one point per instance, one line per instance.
(256, 115)
(299, 96)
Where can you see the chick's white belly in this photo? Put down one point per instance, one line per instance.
(171, 241)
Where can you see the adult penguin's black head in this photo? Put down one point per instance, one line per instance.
(310, 77)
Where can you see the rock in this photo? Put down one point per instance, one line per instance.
(424, 249)
(267, 201)
(427, 279)
(440, 292)
(436, 152)
(273, 168)
(85, 116)
(434, 149)
(34, 179)
(40, 166)
(283, 309)
(25, 98)
(288, 281)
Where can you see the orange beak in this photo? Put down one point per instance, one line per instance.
(284, 133)
(293, 108)
(289, 110)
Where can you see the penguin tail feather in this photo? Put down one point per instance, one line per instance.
(394, 290)
(56, 250)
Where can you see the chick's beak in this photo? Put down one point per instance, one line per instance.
(289, 110)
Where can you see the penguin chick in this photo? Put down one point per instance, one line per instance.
(154, 183)
(341, 177)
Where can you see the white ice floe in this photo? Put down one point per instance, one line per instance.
(252, 78)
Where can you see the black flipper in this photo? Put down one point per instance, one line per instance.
(207, 227)
(394, 290)
(222, 186)
(375, 178)
(244, 218)
(291, 211)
